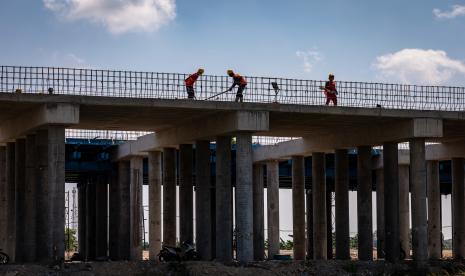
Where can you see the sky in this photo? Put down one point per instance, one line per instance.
(418, 42)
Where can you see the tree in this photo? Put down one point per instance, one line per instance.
(71, 243)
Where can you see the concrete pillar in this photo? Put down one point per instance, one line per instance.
(309, 214)
(113, 219)
(203, 200)
(364, 204)
(380, 229)
(3, 199)
(272, 182)
(30, 212)
(258, 212)
(91, 218)
(244, 197)
(391, 201)
(82, 234)
(155, 181)
(186, 205)
(329, 224)
(419, 209)
(124, 182)
(298, 206)
(136, 221)
(434, 209)
(342, 204)
(10, 202)
(319, 206)
(404, 209)
(101, 216)
(224, 220)
(458, 208)
(20, 199)
(169, 197)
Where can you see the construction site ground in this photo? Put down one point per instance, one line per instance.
(444, 267)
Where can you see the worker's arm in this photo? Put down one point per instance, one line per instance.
(232, 86)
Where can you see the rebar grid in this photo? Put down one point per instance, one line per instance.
(131, 84)
(104, 134)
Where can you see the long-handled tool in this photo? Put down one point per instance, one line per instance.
(217, 95)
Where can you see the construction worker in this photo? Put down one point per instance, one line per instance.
(240, 82)
(330, 90)
(190, 83)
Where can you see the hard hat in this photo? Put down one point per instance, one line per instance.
(229, 72)
(331, 75)
(200, 71)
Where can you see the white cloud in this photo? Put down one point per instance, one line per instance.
(119, 16)
(457, 10)
(309, 58)
(418, 66)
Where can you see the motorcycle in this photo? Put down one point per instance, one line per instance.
(4, 259)
(184, 253)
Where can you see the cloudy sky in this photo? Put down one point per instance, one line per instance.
(418, 41)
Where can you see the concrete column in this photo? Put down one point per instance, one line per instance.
(10, 202)
(319, 206)
(364, 204)
(244, 197)
(380, 229)
(342, 204)
(30, 212)
(135, 241)
(20, 199)
(91, 218)
(224, 220)
(113, 220)
(101, 216)
(329, 224)
(258, 212)
(391, 201)
(186, 205)
(169, 197)
(434, 209)
(298, 206)
(124, 182)
(272, 182)
(82, 235)
(309, 214)
(3, 199)
(458, 208)
(419, 209)
(203, 200)
(155, 181)
(404, 209)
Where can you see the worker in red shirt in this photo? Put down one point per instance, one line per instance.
(190, 83)
(240, 82)
(330, 90)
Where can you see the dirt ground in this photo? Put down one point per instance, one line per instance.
(255, 268)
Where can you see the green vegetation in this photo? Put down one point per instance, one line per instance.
(71, 243)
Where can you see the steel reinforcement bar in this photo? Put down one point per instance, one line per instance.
(90, 82)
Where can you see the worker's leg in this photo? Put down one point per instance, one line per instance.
(328, 99)
(190, 92)
(335, 101)
(239, 94)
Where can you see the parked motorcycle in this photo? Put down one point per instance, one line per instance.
(4, 259)
(184, 253)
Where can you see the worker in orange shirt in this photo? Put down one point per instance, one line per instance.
(330, 90)
(240, 82)
(190, 83)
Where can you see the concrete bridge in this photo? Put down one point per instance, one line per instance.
(38, 104)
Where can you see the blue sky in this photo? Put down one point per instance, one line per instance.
(394, 41)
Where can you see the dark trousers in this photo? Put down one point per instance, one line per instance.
(239, 93)
(190, 92)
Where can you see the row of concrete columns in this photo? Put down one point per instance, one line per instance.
(32, 183)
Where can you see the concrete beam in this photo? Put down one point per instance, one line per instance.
(364, 204)
(186, 204)
(342, 204)
(319, 206)
(272, 181)
(47, 114)
(136, 210)
(206, 128)
(169, 197)
(258, 213)
(434, 209)
(155, 181)
(391, 202)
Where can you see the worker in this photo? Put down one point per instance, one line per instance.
(330, 90)
(240, 82)
(190, 83)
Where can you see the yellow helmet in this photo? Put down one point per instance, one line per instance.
(200, 71)
(229, 72)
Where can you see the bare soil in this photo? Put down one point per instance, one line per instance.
(445, 267)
